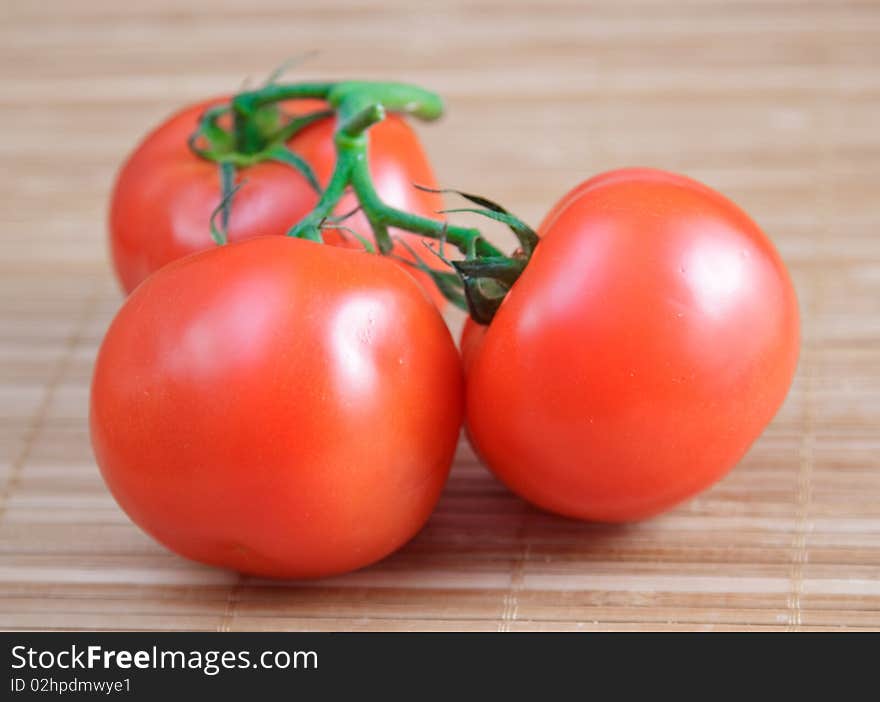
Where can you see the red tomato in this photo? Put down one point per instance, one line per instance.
(278, 407)
(650, 340)
(164, 194)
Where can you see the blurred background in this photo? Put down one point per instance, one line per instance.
(776, 103)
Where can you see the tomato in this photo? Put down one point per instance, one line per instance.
(165, 194)
(278, 407)
(649, 341)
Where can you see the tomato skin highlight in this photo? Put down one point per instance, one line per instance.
(278, 407)
(164, 194)
(652, 337)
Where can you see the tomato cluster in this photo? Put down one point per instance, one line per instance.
(290, 409)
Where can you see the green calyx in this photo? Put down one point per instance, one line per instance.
(252, 128)
(270, 131)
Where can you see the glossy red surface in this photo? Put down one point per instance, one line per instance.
(164, 195)
(278, 407)
(651, 339)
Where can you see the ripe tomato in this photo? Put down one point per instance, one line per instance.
(278, 407)
(649, 341)
(165, 194)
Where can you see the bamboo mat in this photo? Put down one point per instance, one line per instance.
(775, 103)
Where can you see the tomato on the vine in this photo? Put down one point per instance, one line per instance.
(278, 407)
(651, 338)
(165, 194)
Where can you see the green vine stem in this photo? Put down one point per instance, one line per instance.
(259, 133)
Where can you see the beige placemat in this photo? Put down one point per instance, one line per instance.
(775, 103)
